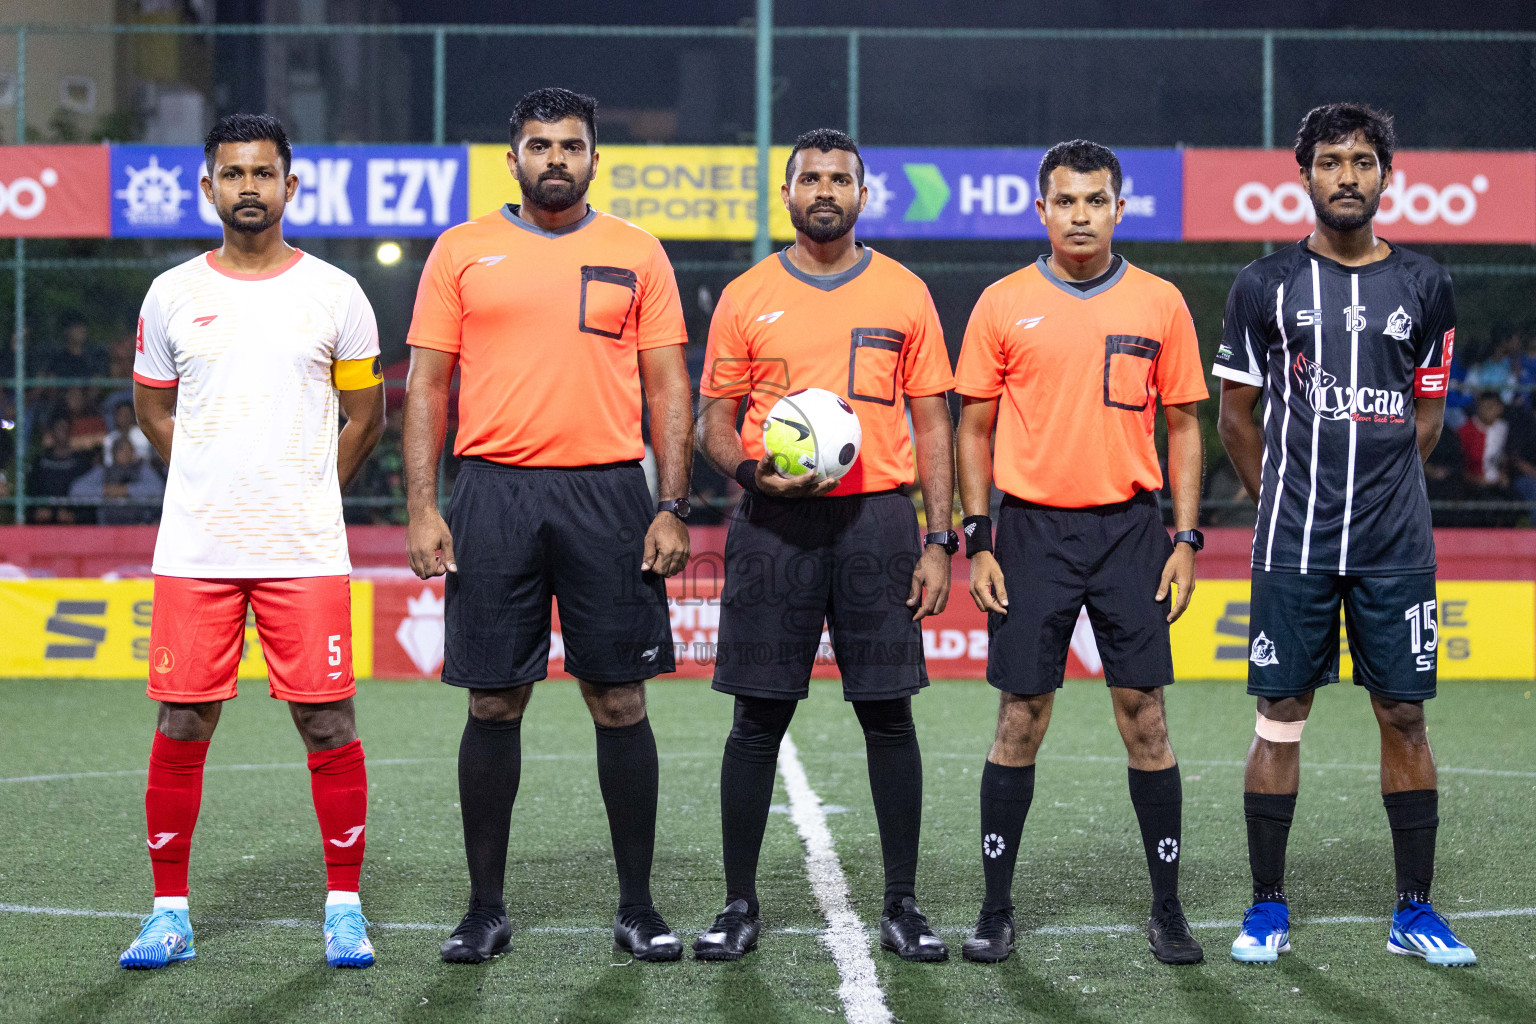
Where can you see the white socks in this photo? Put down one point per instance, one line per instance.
(170, 903)
(337, 898)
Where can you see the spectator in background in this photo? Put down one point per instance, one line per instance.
(87, 430)
(125, 426)
(1520, 455)
(75, 357)
(119, 367)
(1500, 372)
(54, 470)
(128, 478)
(1483, 438)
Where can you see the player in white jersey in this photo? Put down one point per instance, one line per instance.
(245, 355)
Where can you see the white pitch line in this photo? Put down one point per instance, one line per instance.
(1050, 929)
(373, 762)
(1208, 763)
(845, 937)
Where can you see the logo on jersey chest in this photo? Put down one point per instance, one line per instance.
(1398, 324)
(1334, 401)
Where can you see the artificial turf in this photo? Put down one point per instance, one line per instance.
(76, 843)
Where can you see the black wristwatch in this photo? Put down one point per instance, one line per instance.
(949, 539)
(1194, 538)
(679, 507)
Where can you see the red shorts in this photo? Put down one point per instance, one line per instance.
(197, 634)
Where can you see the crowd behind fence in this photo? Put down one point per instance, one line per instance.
(755, 84)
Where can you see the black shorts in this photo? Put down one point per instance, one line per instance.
(1056, 560)
(790, 566)
(1293, 631)
(524, 535)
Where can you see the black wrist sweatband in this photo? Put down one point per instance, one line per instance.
(746, 475)
(977, 531)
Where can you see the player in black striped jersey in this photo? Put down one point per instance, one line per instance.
(1348, 339)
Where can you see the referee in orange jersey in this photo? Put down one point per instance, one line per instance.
(1067, 361)
(829, 313)
(554, 314)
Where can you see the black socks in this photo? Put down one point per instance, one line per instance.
(1159, 801)
(628, 774)
(1414, 816)
(490, 765)
(1269, 817)
(746, 789)
(1006, 793)
(896, 785)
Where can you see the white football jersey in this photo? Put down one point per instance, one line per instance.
(252, 491)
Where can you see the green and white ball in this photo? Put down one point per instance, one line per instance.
(813, 431)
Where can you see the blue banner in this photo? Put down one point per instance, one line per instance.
(344, 192)
(990, 193)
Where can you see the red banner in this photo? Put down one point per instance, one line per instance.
(1465, 196)
(54, 192)
(408, 633)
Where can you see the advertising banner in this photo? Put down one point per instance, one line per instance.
(99, 629)
(408, 634)
(96, 629)
(990, 193)
(1484, 631)
(1464, 196)
(53, 192)
(681, 192)
(710, 192)
(344, 192)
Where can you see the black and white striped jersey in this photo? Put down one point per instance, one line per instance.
(1341, 353)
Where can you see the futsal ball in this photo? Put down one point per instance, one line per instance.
(813, 431)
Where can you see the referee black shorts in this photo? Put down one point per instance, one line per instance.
(523, 535)
(1056, 560)
(792, 565)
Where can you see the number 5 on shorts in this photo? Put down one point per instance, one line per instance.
(333, 644)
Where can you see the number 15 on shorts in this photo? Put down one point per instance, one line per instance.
(1423, 634)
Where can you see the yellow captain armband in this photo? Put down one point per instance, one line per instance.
(356, 374)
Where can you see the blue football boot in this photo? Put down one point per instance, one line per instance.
(165, 937)
(1418, 931)
(346, 937)
(1266, 933)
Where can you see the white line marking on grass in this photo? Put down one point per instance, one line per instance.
(373, 762)
(845, 937)
(1207, 763)
(1050, 929)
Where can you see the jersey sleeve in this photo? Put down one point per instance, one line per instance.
(1180, 377)
(660, 321)
(1243, 352)
(980, 370)
(154, 365)
(728, 367)
(357, 331)
(1437, 340)
(926, 369)
(437, 321)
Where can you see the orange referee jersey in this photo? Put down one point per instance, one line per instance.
(869, 334)
(547, 328)
(1078, 376)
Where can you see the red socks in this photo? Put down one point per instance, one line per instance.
(339, 782)
(171, 801)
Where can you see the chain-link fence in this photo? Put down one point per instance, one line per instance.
(165, 83)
